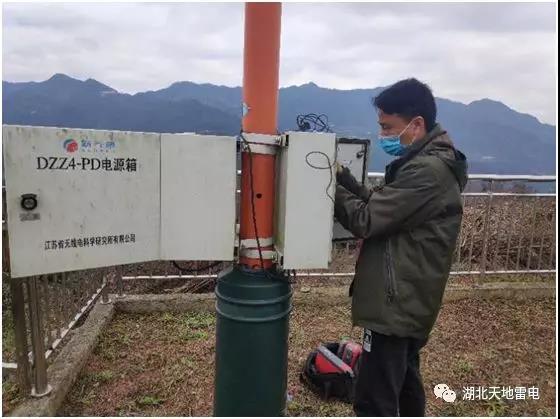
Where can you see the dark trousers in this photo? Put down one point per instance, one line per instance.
(389, 381)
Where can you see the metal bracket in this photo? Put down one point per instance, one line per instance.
(284, 140)
(264, 139)
(252, 243)
(254, 254)
(261, 143)
(279, 257)
(259, 148)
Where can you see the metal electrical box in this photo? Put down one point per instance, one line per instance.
(198, 183)
(80, 199)
(306, 179)
(352, 153)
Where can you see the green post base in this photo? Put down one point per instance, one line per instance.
(253, 311)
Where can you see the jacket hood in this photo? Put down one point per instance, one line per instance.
(438, 143)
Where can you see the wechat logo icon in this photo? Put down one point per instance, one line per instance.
(442, 391)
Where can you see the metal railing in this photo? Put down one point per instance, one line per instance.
(43, 311)
(502, 233)
(485, 245)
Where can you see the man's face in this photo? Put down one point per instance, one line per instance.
(395, 125)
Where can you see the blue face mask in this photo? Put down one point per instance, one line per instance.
(391, 144)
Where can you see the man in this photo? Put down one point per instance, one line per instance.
(409, 229)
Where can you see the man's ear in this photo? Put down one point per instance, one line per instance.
(419, 127)
(419, 123)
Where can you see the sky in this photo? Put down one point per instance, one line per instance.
(464, 51)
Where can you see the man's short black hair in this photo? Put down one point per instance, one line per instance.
(408, 98)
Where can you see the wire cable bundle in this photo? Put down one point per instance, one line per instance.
(266, 273)
(329, 167)
(313, 122)
(317, 123)
(253, 197)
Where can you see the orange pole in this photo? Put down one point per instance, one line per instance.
(260, 103)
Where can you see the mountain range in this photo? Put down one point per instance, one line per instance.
(495, 138)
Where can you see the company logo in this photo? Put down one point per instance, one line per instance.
(70, 145)
(442, 391)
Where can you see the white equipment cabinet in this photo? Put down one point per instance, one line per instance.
(305, 206)
(198, 182)
(96, 195)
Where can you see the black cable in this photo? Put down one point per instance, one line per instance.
(247, 144)
(253, 198)
(313, 122)
(329, 168)
(324, 123)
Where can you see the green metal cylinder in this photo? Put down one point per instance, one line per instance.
(253, 309)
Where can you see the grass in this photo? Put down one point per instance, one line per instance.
(149, 401)
(104, 376)
(155, 372)
(11, 396)
(200, 320)
(8, 338)
(463, 368)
